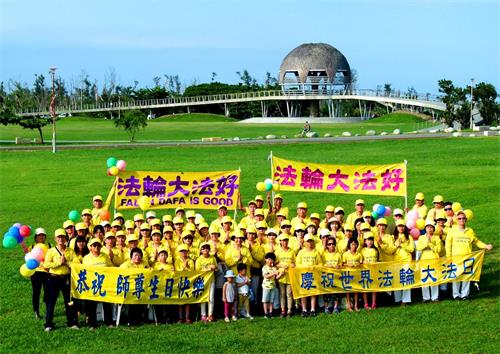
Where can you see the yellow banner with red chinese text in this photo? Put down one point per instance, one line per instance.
(387, 180)
(385, 276)
(168, 190)
(139, 286)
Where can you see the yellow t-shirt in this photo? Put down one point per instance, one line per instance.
(102, 260)
(53, 261)
(268, 283)
(129, 265)
(370, 255)
(180, 266)
(331, 259)
(430, 249)
(203, 263)
(460, 242)
(352, 260)
(169, 267)
(306, 258)
(284, 259)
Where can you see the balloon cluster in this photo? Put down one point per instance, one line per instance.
(16, 235)
(380, 210)
(268, 185)
(115, 166)
(33, 260)
(457, 206)
(415, 224)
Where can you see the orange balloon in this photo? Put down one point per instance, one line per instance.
(105, 215)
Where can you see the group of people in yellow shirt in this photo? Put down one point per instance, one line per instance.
(186, 241)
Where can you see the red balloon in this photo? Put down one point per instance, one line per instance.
(108, 172)
(105, 215)
(25, 231)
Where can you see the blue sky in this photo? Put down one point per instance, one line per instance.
(406, 43)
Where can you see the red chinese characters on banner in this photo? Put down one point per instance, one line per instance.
(377, 180)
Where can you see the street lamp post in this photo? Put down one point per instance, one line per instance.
(52, 110)
(471, 103)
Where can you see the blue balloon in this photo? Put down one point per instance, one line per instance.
(381, 210)
(422, 232)
(14, 231)
(19, 238)
(32, 264)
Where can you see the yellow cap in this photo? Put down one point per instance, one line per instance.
(155, 221)
(178, 220)
(261, 224)
(80, 226)
(94, 241)
(365, 226)
(329, 209)
(430, 222)
(226, 219)
(110, 234)
(251, 229)
(310, 224)
(278, 196)
(339, 210)
(132, 237)
(285, 223)
(138, 217)
(281, 213)
(440, 214)
(162, 249)
(168, 229)
(325, 232)
(156, 232)
(315, 216)
(359, 201)
(182, 247)
(60, 232)
(129, 224)
(145, 226)
(333, 219)
(179, 209)
(205, 244)
(190, 227)
(190, 214)
(186, 233)
(150, 214)
(237, 235)
(97, 197)
(367, 235)
(116, 223)
(259, 198)
(419, 196)
(221, 206)
(366, 213)
(166, 218)
(242, 225)
(86, 212)
(300, 226)
(348, 228)
(120, 233)
(382, 221)
(438, 199)
(302, 205)
(271, 231)
(259, 212)
(252, 202)
(203, 225)
(213, 230)
(309, 238)
(68, 223)
(283, 237)
(118, 215)
(400, 222)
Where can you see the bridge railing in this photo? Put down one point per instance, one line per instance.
(224, 98)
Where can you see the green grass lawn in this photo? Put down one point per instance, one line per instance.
(197, 126)
(39, 188)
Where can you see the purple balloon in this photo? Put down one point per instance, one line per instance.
(17, 224)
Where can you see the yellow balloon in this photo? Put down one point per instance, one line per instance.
(144, 202)
(43, 247)
(261, 186)
(456, 206)
(469, 214)
(420, 223)
(276, 187)
(25, 272)
(114, 171)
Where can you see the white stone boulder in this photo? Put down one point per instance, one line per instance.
(346, 134)
(270, 136)
(396, 131)
(370, 132)
(327, 135)
(312, 135)
(457, 134)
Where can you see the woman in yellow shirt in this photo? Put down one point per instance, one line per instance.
(308, 257)
(285, 259)
(206, 262)
(370, 256)
(331, 259)
(404, 249)
(430, 246)
(135, 312)
(352, 259)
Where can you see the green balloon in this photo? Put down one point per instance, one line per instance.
(111, 162)
(74, 216)
(9, 242)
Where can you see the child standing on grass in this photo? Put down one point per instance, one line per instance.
(351, 259)
(269, 275)
(228, 296)
(243, 284)
(370, 256)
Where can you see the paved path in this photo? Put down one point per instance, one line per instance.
(76, 145)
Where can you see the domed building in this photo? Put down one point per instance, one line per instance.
(315, 67)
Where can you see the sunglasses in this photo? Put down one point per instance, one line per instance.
(286, 227)
(447, 209)
(461, 218)
(330, 244)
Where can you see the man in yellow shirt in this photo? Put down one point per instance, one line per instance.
(301, 214)
(360, 207)
(58, 261)
(459, 242)
(419, 206)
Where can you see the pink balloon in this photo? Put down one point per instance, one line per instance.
(415, 233)
(37, 253)
(412, 215)
(411, 223)
(121, 164)
(388, 211)
(28, 256)
(25, 230)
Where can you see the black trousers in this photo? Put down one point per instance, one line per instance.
(38, 281)
(56, 284)
(91, 311)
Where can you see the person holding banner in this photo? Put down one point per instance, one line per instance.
(370, 256)
(135, 312)
(430, 245)
(404, 249)
(58, 261)
(285, 259)
(352, 258)
(308, 257)
(331, 259)
(98, 259)
(458, 242)
(207, 262)
(183, 263)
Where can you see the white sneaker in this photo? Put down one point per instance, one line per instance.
(234, 318)
(227, 319)
(48, 329)
(249, 317)
(74, 327)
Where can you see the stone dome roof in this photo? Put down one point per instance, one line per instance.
(313, 57)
